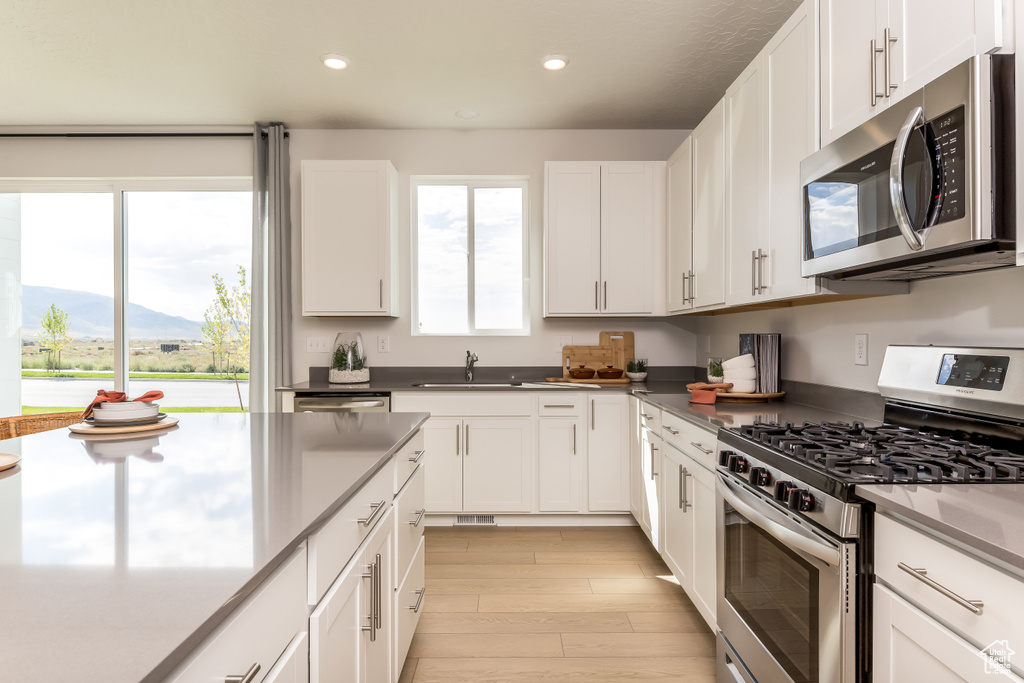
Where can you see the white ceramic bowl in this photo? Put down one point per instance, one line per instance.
(123, 405)
(141, 410)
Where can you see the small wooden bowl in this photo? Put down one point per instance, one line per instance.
(581, 373)
(609, 373)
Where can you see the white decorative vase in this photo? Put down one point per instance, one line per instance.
(636, 376)
(348, 361)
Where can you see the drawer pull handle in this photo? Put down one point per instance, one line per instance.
(673, 432)
(705, 451)
(248, 677)
(921, 575)
(419, 601)
(377, 509)
(418, 456)
(559, 405)
(419, 517)
(646, 416)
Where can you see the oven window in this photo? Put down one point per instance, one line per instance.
(776, 593)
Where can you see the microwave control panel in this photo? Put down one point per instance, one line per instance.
(951, 160)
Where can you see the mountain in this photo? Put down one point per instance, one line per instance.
(92, 315)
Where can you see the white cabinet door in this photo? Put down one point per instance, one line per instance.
(707, 286)
(442, 440)
(378, 655)
(933, 37)
(678, 548)
(680, 227)
(848, 28)
(572, 230)
(498, 465)
(650, 470)
(608, 483)
(636, 480)
(335, 629)
(792, 135)
(908, 645)
(627, 238)
(701, 494)
(745, 217)
(560, 455)
(349, 238)
(293, 666)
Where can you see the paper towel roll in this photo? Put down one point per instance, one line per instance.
(744, 361)
(743, 386)
(733, 374)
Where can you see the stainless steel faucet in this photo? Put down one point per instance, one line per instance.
(470, 359)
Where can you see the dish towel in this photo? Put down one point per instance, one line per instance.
(119, 397)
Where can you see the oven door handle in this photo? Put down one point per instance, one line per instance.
(815, 548)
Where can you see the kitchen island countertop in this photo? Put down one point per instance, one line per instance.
(117, 558)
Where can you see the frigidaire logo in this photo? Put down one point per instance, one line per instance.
(864, 168)
(964, 391)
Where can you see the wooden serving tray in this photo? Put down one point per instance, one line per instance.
(610, 382)
(752, 398)
(8, 460)
(83, 428)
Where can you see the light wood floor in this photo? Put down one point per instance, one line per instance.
(527, 604)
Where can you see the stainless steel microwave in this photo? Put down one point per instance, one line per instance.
(923, 189)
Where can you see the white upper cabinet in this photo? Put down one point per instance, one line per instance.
(706, 286)
(679, 233)
(875, 52)
(601, 222)
(349, 238)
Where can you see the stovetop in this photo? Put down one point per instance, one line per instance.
(888, 454)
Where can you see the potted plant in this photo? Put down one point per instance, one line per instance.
(716, 374)
(636, 369)
(348, 362)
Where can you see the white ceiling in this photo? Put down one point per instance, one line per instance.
(634, 63)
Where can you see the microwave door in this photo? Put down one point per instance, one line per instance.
(915, 179)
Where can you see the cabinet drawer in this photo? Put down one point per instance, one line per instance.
(293, 665)
(559, 405)
(964, 575)
(409, 510)
(466, 403)
(650, 417)
(333, 545)
(694, 440)
(407, 460)
(408, 607)
(258, 632)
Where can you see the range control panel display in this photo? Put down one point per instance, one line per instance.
(973, 372)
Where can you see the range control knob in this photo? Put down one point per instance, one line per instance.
(738, 464)
(759, 476)
(782, 489)
(723, 457)
(801, 499)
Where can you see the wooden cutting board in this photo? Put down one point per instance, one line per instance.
(622, 346)
(8, 460)
(610, 382)
(83, 428)
(615, 349)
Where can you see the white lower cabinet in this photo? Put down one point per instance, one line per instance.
(409, 599)
(293, 666)
(350, 631)
(559, 464)
(498, 465)
(442, 440)
(650, 470)
(608, 453)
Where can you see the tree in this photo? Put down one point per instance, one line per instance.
(54, 331)
(227, 324)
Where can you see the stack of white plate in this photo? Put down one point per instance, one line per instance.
(126, 411)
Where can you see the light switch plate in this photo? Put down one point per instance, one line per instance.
(383, 343)
(860, 349)
(318, 344)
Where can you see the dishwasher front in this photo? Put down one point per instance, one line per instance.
(343, 402)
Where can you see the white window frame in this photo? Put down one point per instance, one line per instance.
(471, 182)
(116, 187)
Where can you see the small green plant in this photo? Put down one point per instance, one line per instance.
(347, 357)
(186, 367)
(636, 365)
(715, 369)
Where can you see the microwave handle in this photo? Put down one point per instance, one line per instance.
(899, 205)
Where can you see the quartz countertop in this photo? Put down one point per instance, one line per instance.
(117, 557)
(988, 518)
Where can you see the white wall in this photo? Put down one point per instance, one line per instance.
(508, 152)
(10, 304)
(980, 309)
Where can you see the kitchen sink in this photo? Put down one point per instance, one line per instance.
(497, 385)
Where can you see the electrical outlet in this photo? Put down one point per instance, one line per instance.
(860, 349)
(383, 344)
(563, 340)
(318, 344)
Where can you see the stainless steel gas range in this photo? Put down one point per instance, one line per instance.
(794, 541)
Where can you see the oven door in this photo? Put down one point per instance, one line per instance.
(786, 591)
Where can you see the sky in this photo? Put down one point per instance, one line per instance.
(176, 242)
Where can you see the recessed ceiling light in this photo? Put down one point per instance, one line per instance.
(333, 61)
(555, 62)
(467, 114)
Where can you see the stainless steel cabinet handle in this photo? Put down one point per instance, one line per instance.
(596, 299)
(761, 257)
(377, 509)
(875, 95)
(574, 438)
(653, 473)
(382, 293)
(592, 427)
(458, 434)
(646, 416)
(685, 276)
(673, 432)
(922, 576)
(378, 619)
(559, 405)
(705, 451)
(247, 677)
(606, 295)
(753, 273)
(372, 576)
(684, 500)
(419, 517)
(418, 456)
(693, 286)
(419, 601)
(888, 40)
(467, 439)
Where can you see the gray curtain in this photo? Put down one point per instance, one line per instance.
(270, 337)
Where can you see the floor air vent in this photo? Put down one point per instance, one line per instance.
(463, 520)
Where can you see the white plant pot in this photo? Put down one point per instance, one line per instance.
(636, 376)
(348, 376)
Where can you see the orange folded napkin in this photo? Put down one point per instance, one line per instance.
(703, 396)
(119, 397)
